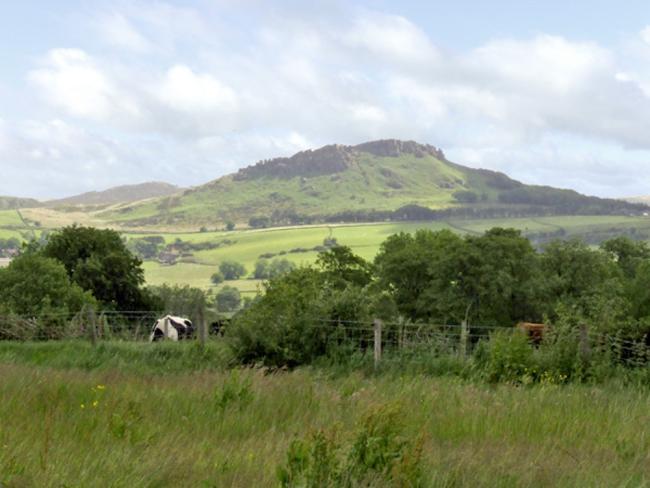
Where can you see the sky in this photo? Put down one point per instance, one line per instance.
(95, 94)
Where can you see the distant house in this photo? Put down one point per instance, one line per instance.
(168, 258)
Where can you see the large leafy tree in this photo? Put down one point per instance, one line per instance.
(98, 261)
(442, 277)
(33, 286)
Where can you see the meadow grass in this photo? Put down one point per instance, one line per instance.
(10, 217)
(140, 415)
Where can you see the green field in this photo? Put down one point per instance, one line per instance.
(365, 239)
(10, 218)
(109, 417)
(247, 245)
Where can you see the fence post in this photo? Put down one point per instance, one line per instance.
(377, 330)
(203, 330)
(584, 343)
(92, 323)
(464, 335)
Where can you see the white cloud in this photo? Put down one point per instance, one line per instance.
(186, 91)
(391, 38)
(119, 31)
(69, 79)
(217, 95)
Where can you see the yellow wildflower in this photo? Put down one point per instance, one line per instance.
(101, 387)
(95, 403)
(83, 405)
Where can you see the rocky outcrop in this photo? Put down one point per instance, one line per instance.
(332, 159)
(327, 160)
(393, 148)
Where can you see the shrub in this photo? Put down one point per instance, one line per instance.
(217, 278)
(261, 269)
(227, 299)
(232, 270)
(508, 356)
(377, 455)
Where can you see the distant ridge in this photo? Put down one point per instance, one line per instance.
(117, 194)
(10, 203)
(641, 199)
(374, 181)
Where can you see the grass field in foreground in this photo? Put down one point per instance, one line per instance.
(118, 427)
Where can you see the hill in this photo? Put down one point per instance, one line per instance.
(10, 203)
(375, 181)
(641, 199)
(118, 194)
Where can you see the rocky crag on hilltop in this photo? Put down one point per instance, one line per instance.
(334, 158)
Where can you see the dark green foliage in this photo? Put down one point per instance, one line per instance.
(230, 225)
(465, 196)
(376, 455)
(341, 266)
(280, 266)
(181, 300)
(261, 271)
(259, 222)
(228, 299)
(441, 277)
(146, 247)
(38, 288)
(33, 285)
(217, 278)
(98, 261)
(232, 270)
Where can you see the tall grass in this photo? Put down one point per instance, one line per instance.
(121, 424)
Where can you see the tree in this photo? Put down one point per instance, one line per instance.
(98, 261)
(185, 301)
(261, 269)
(228, 299)
(259, 222)
(340, 265)
(232, 270)
(217, 278)
(627, 254)
(279, 267)
(230, 225)
(583, 280)
(33, 285)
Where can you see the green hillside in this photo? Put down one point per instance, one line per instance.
(375, 181)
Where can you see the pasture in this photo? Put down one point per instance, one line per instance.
(247, 245)
(71, 415)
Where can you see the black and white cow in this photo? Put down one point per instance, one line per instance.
(172, 328)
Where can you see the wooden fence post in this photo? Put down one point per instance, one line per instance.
(203, 330)
(92, 324)
(585, 349)
(377, 330)
(464, 336)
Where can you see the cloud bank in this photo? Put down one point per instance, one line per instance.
(168, 93)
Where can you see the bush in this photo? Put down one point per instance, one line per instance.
(232, 270)
(261, 269)
(217, 278)
(377, 455)
(228, 299)
(508, 356)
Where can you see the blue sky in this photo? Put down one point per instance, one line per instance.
(99, 93)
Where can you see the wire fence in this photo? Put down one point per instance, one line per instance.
(382, 339)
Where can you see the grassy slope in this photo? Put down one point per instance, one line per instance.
(148, 429)
(364, 240)
(364, 186)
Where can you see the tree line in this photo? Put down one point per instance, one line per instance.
(496, 279)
